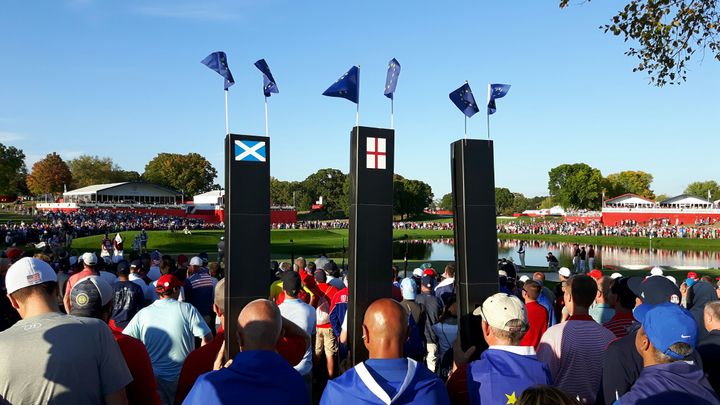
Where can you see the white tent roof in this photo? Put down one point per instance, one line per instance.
(629, 199)
(124, 189)
(685, 199)
(91, 189)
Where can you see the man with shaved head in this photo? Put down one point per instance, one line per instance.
(258, 374)
(388, 376)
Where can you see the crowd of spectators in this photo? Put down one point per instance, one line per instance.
(655, 229)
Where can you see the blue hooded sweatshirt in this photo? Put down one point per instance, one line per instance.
(679, 382)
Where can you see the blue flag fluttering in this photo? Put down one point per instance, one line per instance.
(347, 86)
(217, 61)
(392, 77)
(269, 85)
(496, 91)
(464, 100)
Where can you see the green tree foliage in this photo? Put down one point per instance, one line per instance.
(88, 170)
(635, 182)
(661, 197)
(576, 186)
(535, 203)
(504, 200)
(281, 192)
(49, 175)
(667, 34)
(411, 197)
(190, 174)
(547, 203)
(328, 183)
(446, 202)
(12, 170)
(520, 204)
(701, 188)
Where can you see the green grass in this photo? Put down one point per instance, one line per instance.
(626, 241)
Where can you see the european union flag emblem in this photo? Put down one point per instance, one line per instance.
(392, 77)
(269, 85)
(217, 61)
(250, 151)
(347, 86)
(496, 91)
(464, 100)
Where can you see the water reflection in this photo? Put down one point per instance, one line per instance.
(606, 256)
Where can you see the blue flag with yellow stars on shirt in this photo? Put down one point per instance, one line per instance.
(496, 91)
(392, 77)
(217, 61)
(464, 100)
(347, 86)
(269, 85)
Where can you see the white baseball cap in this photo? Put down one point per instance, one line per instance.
(418, 272)
(502, 273)
(615, 275)
(564, 271)
(656, 271)
(501, 308)
(671, 278)
(196, 261)
(524, 278)
(89, 259)
(27, 272)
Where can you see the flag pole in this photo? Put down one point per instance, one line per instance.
(266, 117)
(227, 126)
(465, 126)
(392, 112)
(487, 111)
(488, 124)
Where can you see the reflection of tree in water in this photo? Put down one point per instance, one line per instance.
(416, 250)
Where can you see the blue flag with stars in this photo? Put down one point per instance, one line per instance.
(464, 100)
(269, 85)
(496, 91)
(347, 86)
(392, 77)
(217, 61)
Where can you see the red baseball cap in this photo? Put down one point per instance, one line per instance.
(167, 282)
(693, 275)
(14, 254)
(596, 274)
(429, 272)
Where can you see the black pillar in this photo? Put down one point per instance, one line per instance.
(371, 213)
(247, 227)
(473, 183)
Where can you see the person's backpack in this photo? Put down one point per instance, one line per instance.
(415, 347)
(445, 365)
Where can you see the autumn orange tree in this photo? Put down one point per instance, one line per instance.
(49, 175)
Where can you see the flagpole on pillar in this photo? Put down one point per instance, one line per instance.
(266, 118)
(227, 123)
(466, 127)
(392, 114)
(488, 125)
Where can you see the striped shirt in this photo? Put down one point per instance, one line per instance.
(573, 351)
(620, 323)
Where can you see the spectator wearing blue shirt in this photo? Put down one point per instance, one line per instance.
(200, 290)
(257, 374)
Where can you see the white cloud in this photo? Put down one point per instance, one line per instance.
(10, 136)
(205, 11)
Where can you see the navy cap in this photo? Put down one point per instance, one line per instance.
(666, 324)
(291, 282)
(654, 290)
(428, 281)
(89, 295)
(123, 268)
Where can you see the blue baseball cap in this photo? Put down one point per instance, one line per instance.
(666, 324)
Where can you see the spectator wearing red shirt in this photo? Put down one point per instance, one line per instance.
(325, 339)
(92, 297)
(536, 313)
(624, 304)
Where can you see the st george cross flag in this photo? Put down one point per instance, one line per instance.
(496, 91)
(269, 85)
(392, 77)
(217, 61)
(347, 86)
(464, 100)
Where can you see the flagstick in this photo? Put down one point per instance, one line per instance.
(392, 113)
(488, 125)
(266, 118)
(227, 126)
(466, 127)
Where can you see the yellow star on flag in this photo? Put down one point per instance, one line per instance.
(511, 399)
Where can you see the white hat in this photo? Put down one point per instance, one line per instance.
(27, 272)
(656, 271)
(196, 261)
(103, 287)
(564, 271)
(502, 273)
(89, 259)
(418, 272)
(615, 275)
(524, 278)
(501, 308)
(671, 278)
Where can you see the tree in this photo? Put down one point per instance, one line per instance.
(520, 204)
(49, 175)
(668, 34)
(328, 183)
(12, 170)
(635, 182)
(88, 170)
(191, 174)
(411, 197)
(661, 197)
(504, 200)
(446, 202)
(576, 186)
(547, 203)
(281, 192)
(701, 188)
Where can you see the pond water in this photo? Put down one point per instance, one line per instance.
(606, 256)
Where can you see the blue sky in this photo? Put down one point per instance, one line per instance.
(124, 79)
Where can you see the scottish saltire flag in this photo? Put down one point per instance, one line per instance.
(501, 375)
(269, 85)
(496, 91)
(392, 77)
(347, 86)
(217, 61)
(464, 100)
(250, 151)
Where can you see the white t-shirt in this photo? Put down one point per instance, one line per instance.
(302, 315)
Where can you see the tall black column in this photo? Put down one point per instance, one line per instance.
(473, 183)
(371, 213)
(247, 227)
